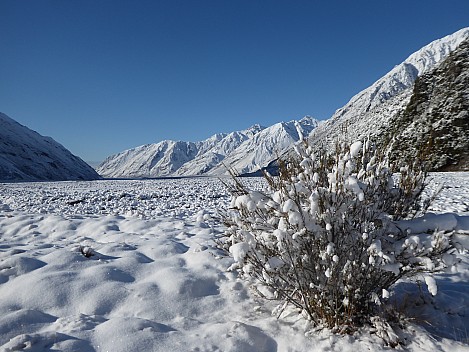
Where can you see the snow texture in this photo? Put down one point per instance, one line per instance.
(132, 266)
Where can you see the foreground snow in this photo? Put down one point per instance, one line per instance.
(132, 266)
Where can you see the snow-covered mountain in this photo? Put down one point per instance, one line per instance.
(244, 151)
(370, 111)
(25, 155)
(434, 126)
(259, 151)
(214, 150)
(151, 160)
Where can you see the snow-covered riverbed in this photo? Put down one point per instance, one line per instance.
(132, 266)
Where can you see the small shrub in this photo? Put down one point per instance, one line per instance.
(323, 238)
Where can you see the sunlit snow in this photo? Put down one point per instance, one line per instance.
(132, 266)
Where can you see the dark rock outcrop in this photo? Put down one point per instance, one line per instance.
(435, 124)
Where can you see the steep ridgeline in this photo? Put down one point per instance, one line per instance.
(214, 151)
(174, 158)
(25, 155)
(160, 159)
(244, 151)
(436, 120)
(258, 152)
(369, 112)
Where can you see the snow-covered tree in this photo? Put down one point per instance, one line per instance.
(324, 237)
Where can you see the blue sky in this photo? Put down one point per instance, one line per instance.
(101, 76)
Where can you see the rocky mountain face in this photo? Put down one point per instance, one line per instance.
(25, 155)
(435, 123)
(370, 112)
(242, 151)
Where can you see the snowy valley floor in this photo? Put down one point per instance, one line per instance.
(132, 266)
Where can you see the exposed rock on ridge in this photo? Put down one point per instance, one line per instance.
(435, 123)
(369, 112)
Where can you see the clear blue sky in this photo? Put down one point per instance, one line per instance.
(101, 76)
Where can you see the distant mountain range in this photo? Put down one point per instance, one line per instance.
(25, 155)
(420, 108)
(242, 151)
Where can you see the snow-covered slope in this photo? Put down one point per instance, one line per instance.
(171, 158)
(368, 113)
(151, 160)
(435, 123)
(212, 154)
(25, 155)
(245, 151)
(375, 105)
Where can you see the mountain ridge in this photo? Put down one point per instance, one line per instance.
(367, 114)
(434, 126)
(403, 75)
(211, 156)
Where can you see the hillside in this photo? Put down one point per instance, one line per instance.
(426, 86)
(369, 113)
(25, 155)
(435, 123)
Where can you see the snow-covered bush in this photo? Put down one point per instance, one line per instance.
(324, 237)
